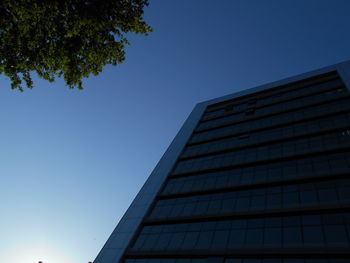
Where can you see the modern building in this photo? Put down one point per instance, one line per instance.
(259, 176)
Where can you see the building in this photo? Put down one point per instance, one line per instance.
(262, 175)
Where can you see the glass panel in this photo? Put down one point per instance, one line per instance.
(292, 237)
(150, 242)
(254, 238)
(176, 241)
(190, 240)
(220, 240)
(308, 198)
(273, 237)
(163, 241)
(139, 242)
(313, 236)
(237, 238)
(336, 236)
(204, 240)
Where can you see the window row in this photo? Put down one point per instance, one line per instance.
(278, 98)
(286, 170)
(274, 94)
(329, 230)
(285, 106)
(287, 260)
(325, 142)
(237, 260)
(278, 119)
(335, 192)
(252, 223)
(296, 129)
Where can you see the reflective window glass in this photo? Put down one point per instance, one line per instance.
(291, 237)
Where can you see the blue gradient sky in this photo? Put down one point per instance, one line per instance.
(72, 161)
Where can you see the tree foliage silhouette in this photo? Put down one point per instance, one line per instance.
(65, 38)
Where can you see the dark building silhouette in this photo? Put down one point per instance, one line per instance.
(258, 176)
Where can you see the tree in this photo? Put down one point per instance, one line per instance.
(65, 38)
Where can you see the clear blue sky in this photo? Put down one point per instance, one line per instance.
(72, 161)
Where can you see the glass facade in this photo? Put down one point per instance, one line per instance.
(263, 178)
(238, 260)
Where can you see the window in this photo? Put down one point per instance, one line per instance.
(220, 239)
(327, 195)
(204, 240)
(242, 204)
(311, 220)
(336, 236)
(273, 237)
(344, 194)
(176, 241)
(237, 238)
(273, 201)
(308, 198)
(163, 241)
(150, 242)
(190, 240)
(313, 236)
(257, 202)
(291, 237)
(290, 199)
(139, 242)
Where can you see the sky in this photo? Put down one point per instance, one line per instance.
(72, 161)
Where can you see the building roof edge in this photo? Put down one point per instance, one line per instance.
(277, 83)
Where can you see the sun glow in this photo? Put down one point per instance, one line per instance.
(35, 254)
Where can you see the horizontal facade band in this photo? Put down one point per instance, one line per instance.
(301, 84)
(311, 210)
(321, 111)
(278, 182)
(324, 87)
(251, 118)
(343, 148)
(335, 128)
(266, 252)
